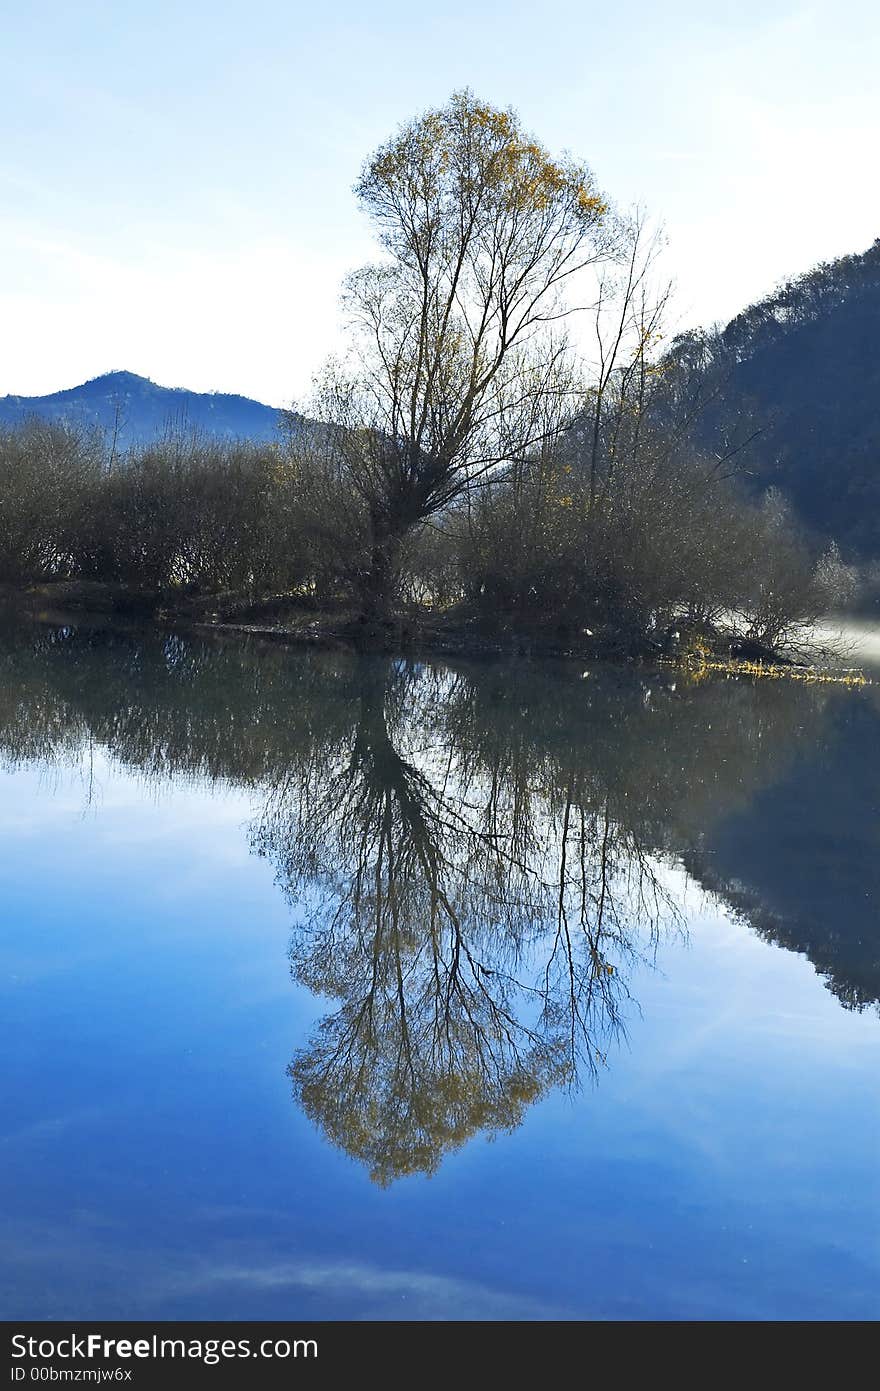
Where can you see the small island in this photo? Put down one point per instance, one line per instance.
(467, 478)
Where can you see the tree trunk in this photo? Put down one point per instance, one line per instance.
(380, 584)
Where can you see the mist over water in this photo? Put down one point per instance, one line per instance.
(858, 640)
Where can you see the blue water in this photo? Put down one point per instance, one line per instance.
(157, 1162)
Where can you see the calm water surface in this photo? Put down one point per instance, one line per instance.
(345, 988)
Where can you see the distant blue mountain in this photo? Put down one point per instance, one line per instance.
(141, 411)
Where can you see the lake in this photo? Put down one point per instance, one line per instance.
(342, 987)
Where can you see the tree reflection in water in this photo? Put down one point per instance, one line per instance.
(479, 857)
(473, 928)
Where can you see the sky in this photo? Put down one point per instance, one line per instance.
(176, 178)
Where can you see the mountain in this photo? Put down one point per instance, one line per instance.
(801, 371)
(139, 410)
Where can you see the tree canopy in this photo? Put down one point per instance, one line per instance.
(458, 363)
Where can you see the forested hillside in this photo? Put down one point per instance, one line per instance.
(798, 376)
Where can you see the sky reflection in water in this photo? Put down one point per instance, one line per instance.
(285, 933)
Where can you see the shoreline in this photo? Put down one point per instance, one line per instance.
(297, 621)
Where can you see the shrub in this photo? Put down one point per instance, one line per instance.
(47, 476)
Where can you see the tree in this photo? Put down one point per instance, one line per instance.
(460, 365)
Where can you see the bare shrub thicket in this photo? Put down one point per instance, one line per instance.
(644, 537)
(204, 515)
(48, 474)
(184, 512)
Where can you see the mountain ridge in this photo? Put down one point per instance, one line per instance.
(801, 370)
(138, 409)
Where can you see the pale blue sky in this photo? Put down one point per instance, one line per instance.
(176, 177)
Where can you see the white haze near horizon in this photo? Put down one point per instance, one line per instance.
(854, 641)
(176, 180)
